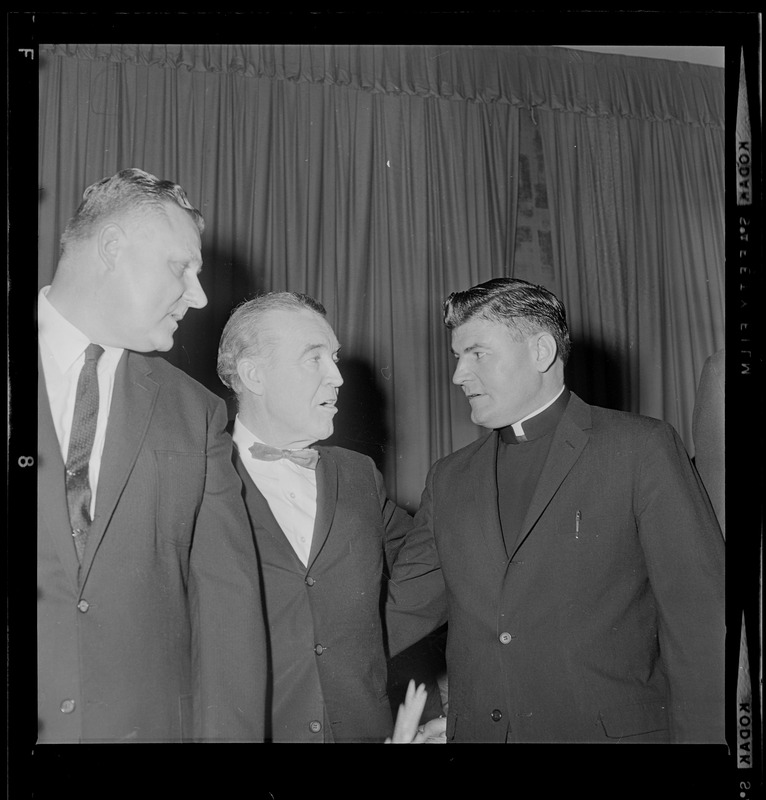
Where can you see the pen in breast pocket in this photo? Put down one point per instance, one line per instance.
(578, 517)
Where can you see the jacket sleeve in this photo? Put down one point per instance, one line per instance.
(684, 551)
(396, 521)
(228, 633)
(417, 602)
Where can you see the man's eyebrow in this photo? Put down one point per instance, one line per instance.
(309, 347)
(469, 349)
(191, 262)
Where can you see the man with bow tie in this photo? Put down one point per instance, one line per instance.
(324, 528)
(149, 626)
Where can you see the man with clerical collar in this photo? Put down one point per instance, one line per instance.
(581, 561)
(324, 527)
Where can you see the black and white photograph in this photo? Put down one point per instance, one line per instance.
(383, 397)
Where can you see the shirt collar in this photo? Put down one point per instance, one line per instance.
(242, 436)
(65, 342)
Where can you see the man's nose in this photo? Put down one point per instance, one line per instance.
(334, 378)
(194, 294)
(459, 375)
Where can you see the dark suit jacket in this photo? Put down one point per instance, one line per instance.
(708, 432)
(609, 631)
(327, 658)
(161, 638)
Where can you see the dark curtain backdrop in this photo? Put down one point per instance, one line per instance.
(381, 178)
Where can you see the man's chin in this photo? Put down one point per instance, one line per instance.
(484, 422)
(147, 347)
(163, 345)
(326, 433)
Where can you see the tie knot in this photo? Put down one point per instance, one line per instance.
(93, 352)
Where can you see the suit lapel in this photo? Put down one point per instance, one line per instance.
(133, 399)
(259, 509)
(327, 500)
(51, 487)
(482, 466)
(569, 440)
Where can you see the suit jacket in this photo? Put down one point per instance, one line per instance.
(606, 621)
(327, 666)
(160, 637)
(708, 432)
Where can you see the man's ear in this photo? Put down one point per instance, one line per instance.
(111, 240)
(545, 351)
(249, 373)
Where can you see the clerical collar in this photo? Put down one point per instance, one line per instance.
(538, 423)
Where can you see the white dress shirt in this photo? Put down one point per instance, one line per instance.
(289, 489)
(62, 351)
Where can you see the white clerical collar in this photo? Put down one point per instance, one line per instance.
(517, 426)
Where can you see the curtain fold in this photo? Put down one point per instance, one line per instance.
(381, 178)
(549, 78)
(637, 221)
(378, 205)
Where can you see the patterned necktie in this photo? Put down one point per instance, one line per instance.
(305, 458)
(78, 492)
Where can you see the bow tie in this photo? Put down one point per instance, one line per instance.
(304, 458)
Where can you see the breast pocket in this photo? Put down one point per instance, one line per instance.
(180, 487)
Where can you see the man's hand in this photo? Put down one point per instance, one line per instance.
(407, 730)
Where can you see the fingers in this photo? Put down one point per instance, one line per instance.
(409, 714)
(435, 731)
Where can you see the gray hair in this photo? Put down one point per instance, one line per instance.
(245, 335)
(130, 191)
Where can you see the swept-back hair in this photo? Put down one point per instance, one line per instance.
(246, 336)
(131, 191)
(523, 307)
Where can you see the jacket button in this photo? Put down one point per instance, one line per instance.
(310, 581)
(67, 706)
(318, 649)
(83, 606)
(315, 726)
(505, 637)
(496, 715)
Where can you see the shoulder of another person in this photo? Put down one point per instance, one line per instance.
(626, 420)
(717, 361)
(643, 436)
(346, 458)
(166, 374)
(465, 452)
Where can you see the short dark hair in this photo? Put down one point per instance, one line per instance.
(523, 307)
(129, 191)
(243, 334)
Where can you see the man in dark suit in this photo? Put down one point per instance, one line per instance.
(581, 562)
(324, 528)
(149, 621)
